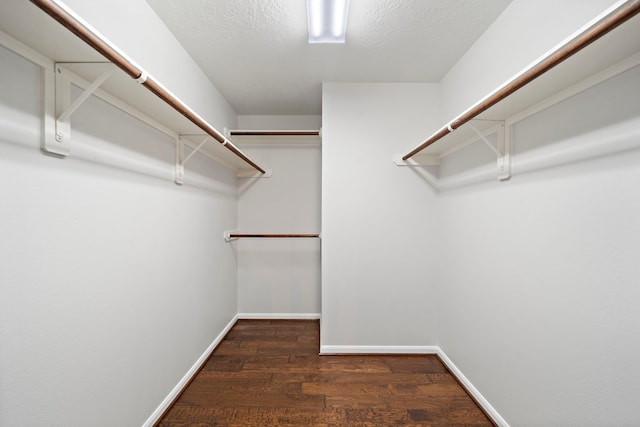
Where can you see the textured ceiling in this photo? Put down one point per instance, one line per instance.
(256, 51)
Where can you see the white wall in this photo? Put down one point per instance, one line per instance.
(378, 222)
(539, 274)
(113, 282)
(280, 277)
(302, 122)
(540, 300)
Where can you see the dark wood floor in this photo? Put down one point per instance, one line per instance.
(269, 373)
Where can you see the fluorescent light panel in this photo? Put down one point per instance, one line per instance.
(327, 20)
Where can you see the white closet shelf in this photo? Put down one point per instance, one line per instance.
(273, 137)
(602, 49)
(29, 32)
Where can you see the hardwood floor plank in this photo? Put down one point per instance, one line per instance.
(269, 373)
(294, 417)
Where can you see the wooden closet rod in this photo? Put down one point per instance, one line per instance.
(610, 22)
(274, 133)
(272, 236)
(105, 49)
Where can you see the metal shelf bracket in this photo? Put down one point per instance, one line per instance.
(181, 160)
(64, 108)
(502, 149)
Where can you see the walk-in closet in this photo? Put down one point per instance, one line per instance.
(434, 220)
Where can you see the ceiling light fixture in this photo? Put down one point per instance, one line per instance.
(327, 20)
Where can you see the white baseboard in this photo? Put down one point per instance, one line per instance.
(377, 349)
(187, 377)
(484, 403)
(279, 316)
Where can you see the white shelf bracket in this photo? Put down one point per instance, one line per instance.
(502, 150)
(504, 147)
(179, 173)
(484, 139)
(181, 160)
(49, 143)
(422, 161)
(421, 167)
(227, 235)
(195, 150)
(252, 173)
(64, 108)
